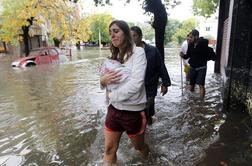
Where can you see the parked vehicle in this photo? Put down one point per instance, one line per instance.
(42, 55)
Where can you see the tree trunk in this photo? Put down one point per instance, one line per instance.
(5, 47)
(160, 20)
(26, 36)
(78, 45)
(56, 42)
(26, 39)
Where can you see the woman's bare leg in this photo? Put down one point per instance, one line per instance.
(112, 140)
(139, 144)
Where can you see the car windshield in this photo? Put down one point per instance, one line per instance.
(34, 52)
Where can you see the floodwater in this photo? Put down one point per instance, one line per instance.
(53, 115)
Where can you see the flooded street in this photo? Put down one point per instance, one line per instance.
(54, 115)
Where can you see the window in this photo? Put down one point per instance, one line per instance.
(207, 28)
(53, 51)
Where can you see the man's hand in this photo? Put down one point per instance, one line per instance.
(164, 90)
(181, 54)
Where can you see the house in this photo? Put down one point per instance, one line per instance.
(234, 53)
(208, 28)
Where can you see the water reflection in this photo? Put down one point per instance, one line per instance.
(234, 145)
(54, 114)
(49, 115)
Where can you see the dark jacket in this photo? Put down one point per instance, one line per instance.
(155, 69)
(198, 54)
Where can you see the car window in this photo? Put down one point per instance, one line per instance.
(59, 50)
(53, 51)
(45, 52)
(34, 52)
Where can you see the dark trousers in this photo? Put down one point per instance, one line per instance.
(150, 107)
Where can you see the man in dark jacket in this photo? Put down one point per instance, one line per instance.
(198, 53)
(155, 69)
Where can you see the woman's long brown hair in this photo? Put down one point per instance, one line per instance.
(127, 48)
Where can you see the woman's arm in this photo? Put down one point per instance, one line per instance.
(136, 81)
(111, 77)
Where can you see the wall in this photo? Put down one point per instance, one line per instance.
(237, 95)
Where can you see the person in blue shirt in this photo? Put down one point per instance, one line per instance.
(155, 69)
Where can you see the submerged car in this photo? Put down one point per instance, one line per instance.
(42, 55)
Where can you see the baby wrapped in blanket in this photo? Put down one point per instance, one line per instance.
(114, 65)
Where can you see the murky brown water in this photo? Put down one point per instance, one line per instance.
(54, 114)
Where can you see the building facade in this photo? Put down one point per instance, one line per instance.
(234, 52)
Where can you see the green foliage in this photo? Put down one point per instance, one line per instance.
(148, 32)
(181, 33)
(172, 26)
(100, 22)
(62, 19)
(59, 18)
(205, 8)
(131, 24)
(168, 3)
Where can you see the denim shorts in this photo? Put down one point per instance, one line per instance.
(133, 122)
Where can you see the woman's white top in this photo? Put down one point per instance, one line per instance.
(131, 95)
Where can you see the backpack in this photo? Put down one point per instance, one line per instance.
(211, 55)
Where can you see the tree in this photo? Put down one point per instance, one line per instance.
(183, 31)
(200, 7)
(159, 20)
(58, 17)
(148, 32)
(205, 8)
(100, 22)
(171, 28)
(82, 31)
(62, 19)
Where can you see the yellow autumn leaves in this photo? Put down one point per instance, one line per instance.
(60, 18)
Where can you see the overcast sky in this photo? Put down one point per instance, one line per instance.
(133, 12)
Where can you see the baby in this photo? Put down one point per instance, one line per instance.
(110, 64)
